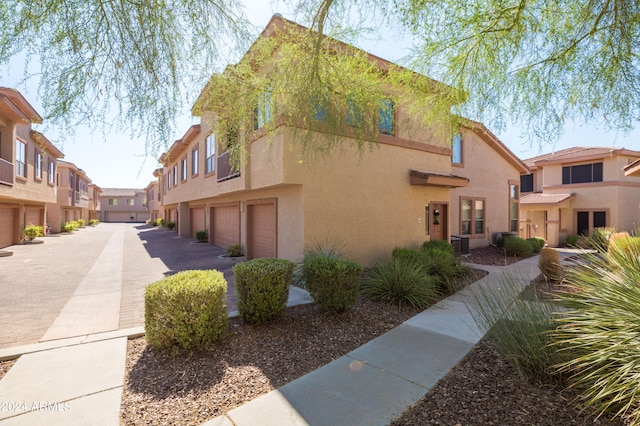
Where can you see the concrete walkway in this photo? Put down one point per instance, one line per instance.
(79, 380)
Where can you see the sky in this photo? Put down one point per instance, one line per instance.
(115, 160)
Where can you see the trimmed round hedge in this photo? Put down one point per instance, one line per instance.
(262, 286)
(333, 283)
(187, 310)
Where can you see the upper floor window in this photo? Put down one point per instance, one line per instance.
(456, 149)
(52, 172)
(194, 162)
(210, 153)
(526, 183)
(386, 117)
(169, 179)
(113, 201)
(582, 173)
(21, 158)
(264, 110)
(130, 201)
(355, 114)
(38, 164)
(175, 175)
(319, 109)
(183, 169)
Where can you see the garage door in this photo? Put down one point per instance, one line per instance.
(7, 226)
(197, 220)
(32, 215)
(118, 216)
(262, 229)
(225, 225)
(142, 216)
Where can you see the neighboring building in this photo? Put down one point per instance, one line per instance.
(28, 163)
(123, 205)
(94, 201)
(575, 190)
(490, 203)
(400, 194)
(72, 196)
(153, 197)
(632, 169)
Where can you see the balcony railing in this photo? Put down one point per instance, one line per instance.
(6, 172)
(224, 168)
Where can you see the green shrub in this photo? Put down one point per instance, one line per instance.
(549, 264)
(437, 245)
(186, 310)
(332, 283)
(170, 226)
(81, 223)
(600, 331)
(400, 281)
(262, 286)
(418, 257)
(93, 222)
(536, 243)
(69, 227)
(572, 240)
(31, 232)
(234, 250)
(599, 238)
(516, 246)
(160, 221)
(519, 329)
(437, 262)
(202, 236)
(327, 250)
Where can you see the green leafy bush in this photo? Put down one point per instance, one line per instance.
(160, 221)
(81, 223)
(516, 246)
(400, 281)
(418, 257)
(549, 264)
(170, 225)
(327, 249)
(600, 331)
(93, 222)
(186, 310)
(234, 250)
(69, 227)
(332, 283)
(31, 232)
(262, 286)
(202, 236)
(536, 243)
(437, 245)
(439, 263)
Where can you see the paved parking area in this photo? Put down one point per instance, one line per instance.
(42, 285)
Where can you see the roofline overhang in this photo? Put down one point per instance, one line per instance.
(19, 106)
(436, 179)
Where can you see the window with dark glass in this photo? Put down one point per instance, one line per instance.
(386, 117)
(355, 114)
(582, 173)
(526, 183)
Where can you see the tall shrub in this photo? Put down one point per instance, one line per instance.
(333, 283)
(327, 249)
(262, 286)
(516, 246)
(549, 264)
(186, 310)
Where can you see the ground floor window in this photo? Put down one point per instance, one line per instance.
(472, 214)
(589, 220)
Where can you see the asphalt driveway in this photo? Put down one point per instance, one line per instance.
(92, 280)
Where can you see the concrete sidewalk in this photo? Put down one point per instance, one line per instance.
(80, 380)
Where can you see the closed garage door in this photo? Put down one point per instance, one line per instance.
(225, 225)
(197, 220)
(262, 229)
(32, 216)
(119, 216)
(7, 226)
(142, 216)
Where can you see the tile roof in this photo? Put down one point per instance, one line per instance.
(578, 153)
(540, 198)
(121, 192)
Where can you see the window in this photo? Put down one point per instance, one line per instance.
(210, 153)
(319, 109)
(38, 165)
(175, 175)
(21, 159)
(194, 162)
(456, 149)
(526, 183)
(472, 216)
(586, 221)
(514, 207)
(386, 117)
(130, 201)
(144, 202)
(113, 202)
(52, 172)
(183, 169)
(355, 114)
(264, 110)
(169, 179)
(582, 173)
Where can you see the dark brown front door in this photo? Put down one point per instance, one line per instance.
(438, 225)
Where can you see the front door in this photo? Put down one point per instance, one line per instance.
(438, 222)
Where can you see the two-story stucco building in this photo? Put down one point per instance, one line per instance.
(123, 205)
(277, 203)
(575, 190)
(28, 164)
(72, 201)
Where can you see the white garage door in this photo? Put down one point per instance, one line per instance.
(262, 229)
(225, 225)
(7, 226)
